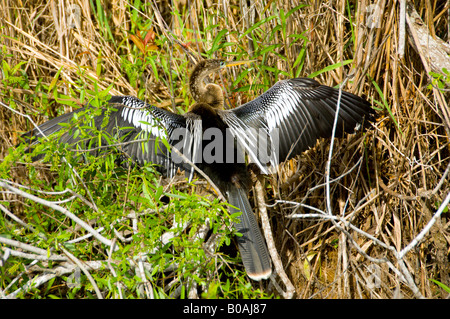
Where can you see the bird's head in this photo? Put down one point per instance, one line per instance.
(210, 66)
(210, 92)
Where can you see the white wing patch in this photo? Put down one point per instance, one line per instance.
(142, 118)
(285, 105)
(279, 107)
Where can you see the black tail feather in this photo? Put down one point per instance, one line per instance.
(252, 245)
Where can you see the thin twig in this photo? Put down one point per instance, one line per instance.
(36, 250)
(288, 294)
(60, 209)
(20, 222)
(426, 229)
(34, 256)
(84, 270)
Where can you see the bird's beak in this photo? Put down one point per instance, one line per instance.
(234, 63)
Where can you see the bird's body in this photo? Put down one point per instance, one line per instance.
(223, 165)
(279, 124)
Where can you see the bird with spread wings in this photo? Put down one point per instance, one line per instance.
(281, 123)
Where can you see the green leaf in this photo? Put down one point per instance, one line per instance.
(295, 9)
(17, 67)
(256, 25)
(6, 68)
(440, 284)
(54, 81)
(299, 62)
(269, 48)
(330, 68)
(217, 39)
(98, 69)
(154, 68)
(385, 104)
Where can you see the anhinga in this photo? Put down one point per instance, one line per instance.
(279, 124)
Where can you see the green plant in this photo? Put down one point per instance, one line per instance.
(440, 80)
(440, 284)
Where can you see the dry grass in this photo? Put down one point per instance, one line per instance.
(389, 196)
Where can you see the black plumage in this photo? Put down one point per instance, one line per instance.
(279, 124)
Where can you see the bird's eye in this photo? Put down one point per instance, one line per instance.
(222, 63)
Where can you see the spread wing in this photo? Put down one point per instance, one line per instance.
(137, 128)
(290, 117)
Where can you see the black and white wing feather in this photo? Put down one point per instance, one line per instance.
(290, 117)
(139, 129)
(135, 121)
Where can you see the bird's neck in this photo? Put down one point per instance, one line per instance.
(210, 94)
(196, 84)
